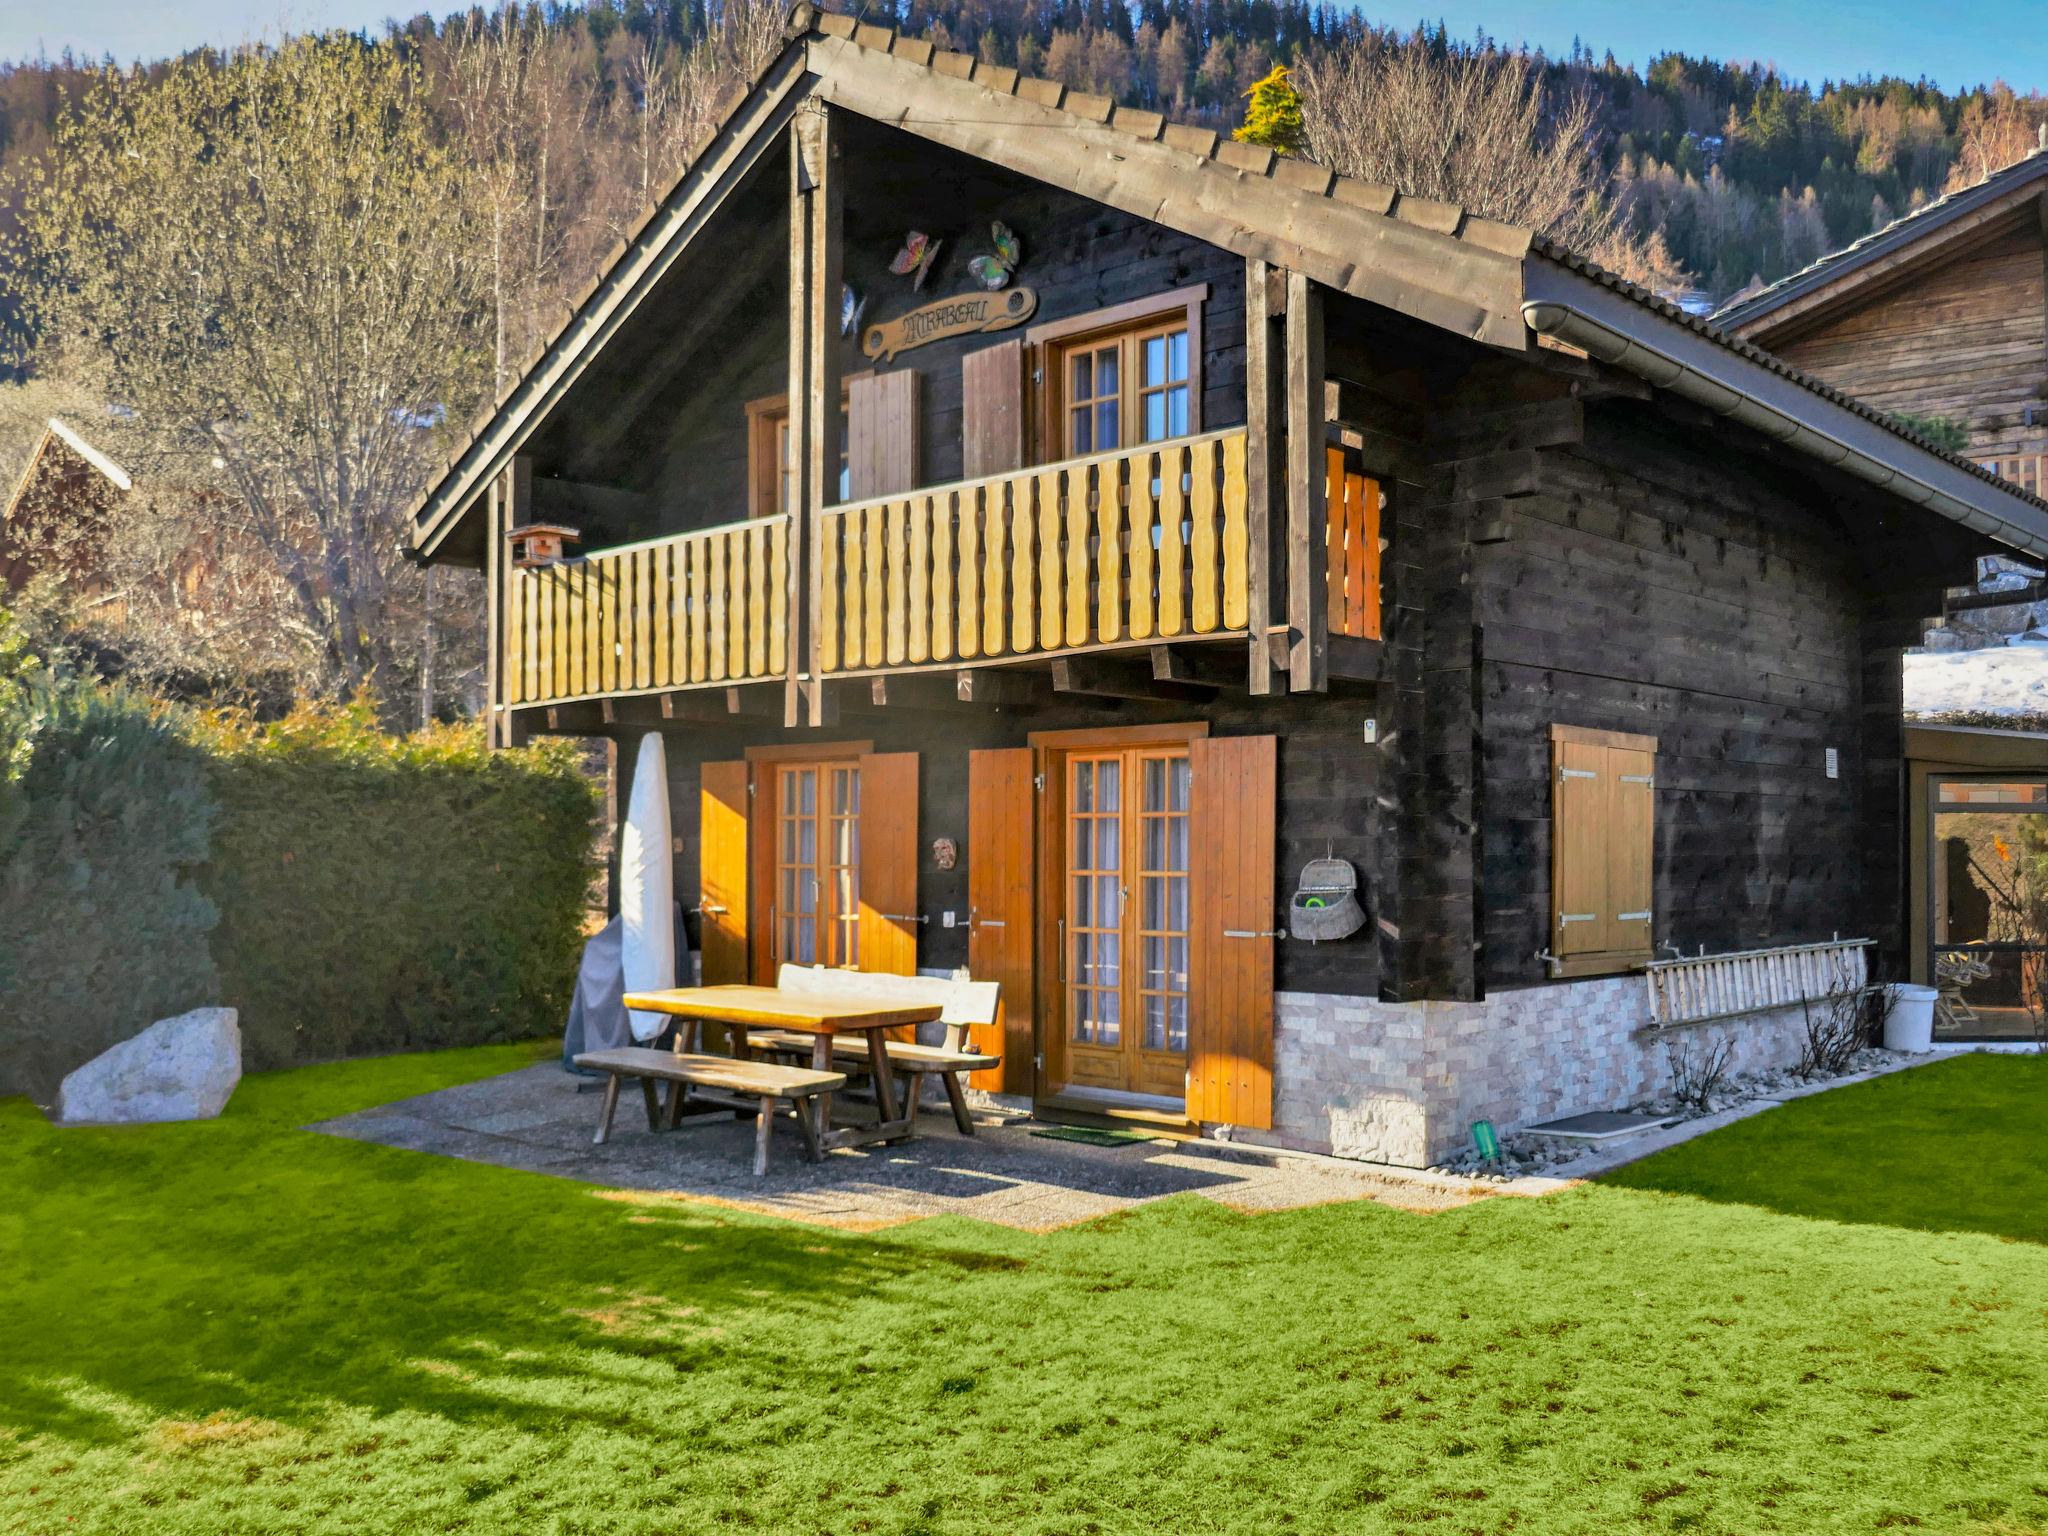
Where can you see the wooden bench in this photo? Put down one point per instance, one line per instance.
(765, 1081)
(964, 1004)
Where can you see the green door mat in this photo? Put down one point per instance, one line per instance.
(1092, 1136)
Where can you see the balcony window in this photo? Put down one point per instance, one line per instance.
(1120, 377)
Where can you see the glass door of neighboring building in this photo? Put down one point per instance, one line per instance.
(1988, 905)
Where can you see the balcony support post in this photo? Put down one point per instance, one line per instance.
(509, 505)
(1308, 594)
(1265, 394)
(815, 202)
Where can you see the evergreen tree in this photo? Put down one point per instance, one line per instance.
(1274, 118)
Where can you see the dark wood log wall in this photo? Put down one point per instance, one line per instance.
(1671, 581)
(1328, 792)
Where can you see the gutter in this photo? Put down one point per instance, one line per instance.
(1620, 330)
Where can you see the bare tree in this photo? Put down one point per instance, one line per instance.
(1477, 128)
(1995, 130)
(266, 262)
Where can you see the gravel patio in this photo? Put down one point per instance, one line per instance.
(537, 1119)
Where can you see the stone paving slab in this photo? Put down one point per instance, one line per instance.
(535, 1119)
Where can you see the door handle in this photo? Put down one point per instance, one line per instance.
(711, 907)
(902, 917)
(1253, 933)
(990, 922)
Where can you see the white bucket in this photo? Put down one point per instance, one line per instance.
(1909, 1023)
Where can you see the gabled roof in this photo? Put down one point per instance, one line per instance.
(56, 433)
(1491, 282)
(1883, 251)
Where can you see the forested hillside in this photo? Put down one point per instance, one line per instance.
(1745, 174)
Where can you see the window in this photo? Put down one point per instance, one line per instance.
(768, 453)
(1120, 377)
(1602, 850)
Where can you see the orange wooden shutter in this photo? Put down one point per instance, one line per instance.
(882, 434)
(992, 409)
(723, 872)
(1230, 1028)
(888, 863)
(1001, 808)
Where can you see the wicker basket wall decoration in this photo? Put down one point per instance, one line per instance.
(1325, 904)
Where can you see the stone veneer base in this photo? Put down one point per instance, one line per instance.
(1403, 1082)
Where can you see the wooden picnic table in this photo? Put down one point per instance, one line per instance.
(820, 1015)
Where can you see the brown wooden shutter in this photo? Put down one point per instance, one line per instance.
(1631, 853)
(992, 409)
(888, 864)
(1602, 848)
(723, 872)
(1001, 808)
(1230, 1004)
(882, 434)
(1578, 849)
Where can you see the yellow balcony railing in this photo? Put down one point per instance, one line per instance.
(1141, 544)
(699, 608)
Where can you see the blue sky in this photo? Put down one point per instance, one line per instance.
(1961, 43)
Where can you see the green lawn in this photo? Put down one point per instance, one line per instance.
(241, 1327)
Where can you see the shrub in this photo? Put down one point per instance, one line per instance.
(382, 893)
(103, 814)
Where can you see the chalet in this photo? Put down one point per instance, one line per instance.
(1048, 537)
(1943, 313)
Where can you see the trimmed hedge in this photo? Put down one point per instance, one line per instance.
(348, 891)
(383, 893)
(103, 813)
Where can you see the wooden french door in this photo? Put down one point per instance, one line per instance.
(816, 880)
(809, 860)
(1123, 917)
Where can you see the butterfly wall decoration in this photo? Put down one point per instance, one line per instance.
(915, 259)
(851, 307)
(994, 271)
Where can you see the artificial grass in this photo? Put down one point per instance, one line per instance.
(240, 1327)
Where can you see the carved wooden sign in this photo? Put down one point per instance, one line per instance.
(961, 316)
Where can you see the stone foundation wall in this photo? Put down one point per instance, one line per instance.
(1403, 1082)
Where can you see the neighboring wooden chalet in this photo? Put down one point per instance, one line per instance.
(1941, 313)
(1259, 518)
(51, 519)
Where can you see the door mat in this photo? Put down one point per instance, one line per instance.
(1093, 1136)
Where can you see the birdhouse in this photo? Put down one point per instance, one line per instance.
(538, 544)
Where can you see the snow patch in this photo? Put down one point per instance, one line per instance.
(2006, 680)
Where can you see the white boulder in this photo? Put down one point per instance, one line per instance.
(181, 1068)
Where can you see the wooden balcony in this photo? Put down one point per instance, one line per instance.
(1134, 547)
(703, 608)
(1140, 544)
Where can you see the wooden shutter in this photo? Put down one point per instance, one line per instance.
(882, 434)
(1001, 880)
(992, 410)
(888, 863)
(723, 872)
(1602, 848)
(1631, 854)
(1230, 1004)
